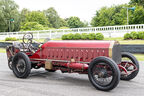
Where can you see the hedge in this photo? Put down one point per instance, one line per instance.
(10, 39)
(83, 36)
(134, 35)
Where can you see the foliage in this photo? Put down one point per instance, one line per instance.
(10, 39)
(137, 2)
(23, 14)
(54, 19)
(137, 17)
(84, 24)
(64, 28)
(62, 23)
(99, 36)
(74, 22)
(64, 37)
(114, 15)
(70, 36)
(32, 26)
(77, 36)
(83, 36)
(140, 35)
(46, 19)
(127, 36)
(48, 28)
(91, 36)
(9, 10)
(134, 35)
(36, 16)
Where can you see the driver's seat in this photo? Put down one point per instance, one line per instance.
(17, 44)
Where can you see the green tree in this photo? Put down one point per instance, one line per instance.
(23, 14)
(53, 17)
(137, 17)
(39, 17)
(137, 2)
(84, 24)
(115, 15)
(9, 16)
(74, 22)
(63, 23)
(32, 26)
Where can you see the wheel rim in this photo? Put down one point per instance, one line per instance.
(21, 66)
(128, 64)
(102, 74)
(10, 64)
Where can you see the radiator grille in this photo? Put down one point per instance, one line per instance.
(116, 53)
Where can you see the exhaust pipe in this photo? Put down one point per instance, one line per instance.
(79, 66)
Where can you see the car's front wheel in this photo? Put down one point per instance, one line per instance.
(103, 73)
(21, 65)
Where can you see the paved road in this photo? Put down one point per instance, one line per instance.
(42, 83)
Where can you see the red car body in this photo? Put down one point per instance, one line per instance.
(98, 59)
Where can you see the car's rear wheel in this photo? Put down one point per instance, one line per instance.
(21, 65)
(10, 63)
(103, 73)
(130, 63)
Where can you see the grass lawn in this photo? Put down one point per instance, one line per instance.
(120, 39)
(132, 42)
(2, 50)
(140, 57)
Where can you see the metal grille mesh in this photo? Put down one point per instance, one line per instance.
(116, 53)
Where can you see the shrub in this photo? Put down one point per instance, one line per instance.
(84, 36)
(64, 37)
(77, 36)
(134, 35)
(140, 35)
(127, 36)
(70, 36)
(92, 36)
(99, 36)
(10, 39)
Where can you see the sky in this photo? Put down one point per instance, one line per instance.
(84, 9)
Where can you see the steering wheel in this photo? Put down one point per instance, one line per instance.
(27, 40)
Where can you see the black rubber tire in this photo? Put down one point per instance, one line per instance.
(116, 72)
(21, 56)
(10, 63)
(135, 61)
(50, 70)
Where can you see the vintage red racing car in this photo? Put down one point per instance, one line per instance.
(103, 61)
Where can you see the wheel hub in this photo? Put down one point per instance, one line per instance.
(102, 73)
(21, 66)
